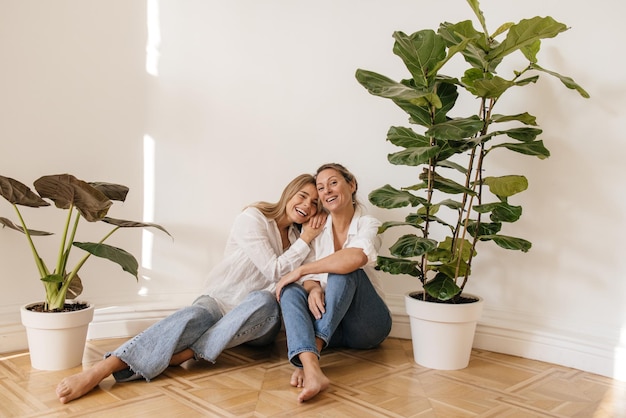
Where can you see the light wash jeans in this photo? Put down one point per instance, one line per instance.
(204, 329)
(356, 316)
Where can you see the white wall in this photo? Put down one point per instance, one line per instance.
(248, 94)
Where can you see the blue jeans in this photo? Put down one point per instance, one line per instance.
(356, 316)
(202, 328)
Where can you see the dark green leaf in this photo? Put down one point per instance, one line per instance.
(133, 224)
(483, 228)
(442, 287)
(116, 192)
(534, 148)
(398, 266)
(567, 81)
(66, 191)
(18, 193)
(509, 243)
(413, 156)
(500, 211)
(406, 137)
(379, 85)
(525, 118)
(390, 224)
(523, 134)
(456, 129)
(126, 260)
(32, 232)
(412, 246)
(388, 197)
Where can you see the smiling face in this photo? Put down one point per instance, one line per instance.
(302, 205)
(335, 191)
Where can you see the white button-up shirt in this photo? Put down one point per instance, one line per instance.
(363, 234)
(253, 259)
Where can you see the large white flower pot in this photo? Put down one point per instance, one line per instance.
(443, 334)
(56, 340)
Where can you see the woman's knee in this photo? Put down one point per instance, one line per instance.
(293, 291)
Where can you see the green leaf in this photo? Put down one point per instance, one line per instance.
(462, 247)
(456, 129)
(18, 193)
(398, 266)
(413, 156)
(66, 190)
(382, 86)
(387, 197)
(506, 186)
(490, 87)
(126, 260)
(412, 246)
(525, 118)
(523, 134)
(390, 224)
(567, 81)
(442, 287)
(32, 232)
(406, 137)
(53, 278)
(482, 228)
(509, 243)
(422, 53)
(534, 148)
(133, 224)
(446, 185)
(525, 33)
(500, 211)
(116, 192)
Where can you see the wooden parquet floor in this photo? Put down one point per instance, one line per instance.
(384, 382)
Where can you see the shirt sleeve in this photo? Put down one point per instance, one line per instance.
(367, 238)
(253, 233)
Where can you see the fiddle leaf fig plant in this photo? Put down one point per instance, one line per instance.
(457, 205)
(82, 200)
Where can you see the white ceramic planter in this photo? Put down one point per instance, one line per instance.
(442, 333)
(56, 340)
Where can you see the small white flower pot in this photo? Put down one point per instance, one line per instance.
(56, 340)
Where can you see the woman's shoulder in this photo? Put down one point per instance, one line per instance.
(251, 215)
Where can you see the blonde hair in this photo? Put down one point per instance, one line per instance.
(346, 174)
(277, 210)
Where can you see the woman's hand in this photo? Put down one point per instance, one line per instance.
(285, 280)
(316, 300)
(313, 227)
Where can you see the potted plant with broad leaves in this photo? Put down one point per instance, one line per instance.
(59, 313)
(457, 204)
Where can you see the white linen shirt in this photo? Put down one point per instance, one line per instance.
(362, 233)
(253, 259)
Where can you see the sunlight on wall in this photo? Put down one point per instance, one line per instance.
(154, 38)
(148, 205)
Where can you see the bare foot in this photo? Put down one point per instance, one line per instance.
(297, 378)
(77, 385)
(315, 381)
(181, 357)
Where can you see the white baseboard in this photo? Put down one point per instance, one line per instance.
(530, 336)
(498, 331)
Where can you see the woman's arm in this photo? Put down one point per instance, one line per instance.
(252, 234)
(343, 261)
